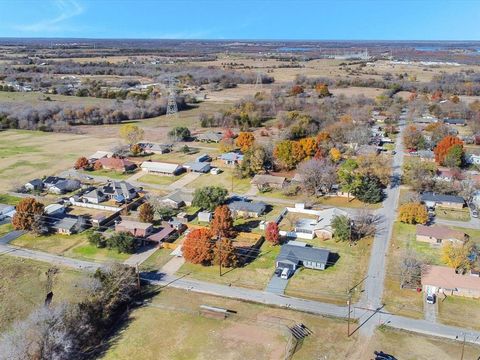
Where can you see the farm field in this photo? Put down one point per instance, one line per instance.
(23, 284)
(25, 155)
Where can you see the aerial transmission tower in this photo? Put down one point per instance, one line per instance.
(172, 109)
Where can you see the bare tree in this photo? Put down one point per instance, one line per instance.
(411, 266)
(318, 176)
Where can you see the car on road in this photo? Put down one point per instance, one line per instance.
(431, 298)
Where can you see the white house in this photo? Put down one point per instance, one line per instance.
(161, 168)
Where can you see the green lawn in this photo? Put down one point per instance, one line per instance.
(22, 287)
(225, 179)
(75, 246)
(254, 275)
(116, 175)
(331, 284)
(156, 260)
(9, 199)
(159, 179)
(453, 214)
(5, 229)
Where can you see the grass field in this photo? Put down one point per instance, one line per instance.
(157, 260)
(9, 199)
(37, 98)
(75, 246)
(453, 214)
(331, 284)
(159, 179)
(225, 179)
(25, 155)
(254, 275)
(116, 175)
(5, 228)
(254, 332)
(22, 287)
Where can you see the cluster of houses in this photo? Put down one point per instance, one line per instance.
(53, 184)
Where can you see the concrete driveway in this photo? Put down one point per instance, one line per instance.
(277, 285)
(12, 235)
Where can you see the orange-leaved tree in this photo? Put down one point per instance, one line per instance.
(198, 247)
(272, 233)
(441, 150)
(413, 213)
(309, 146)
(245, 140)
(222, 223)
(81, 163)
(225, 253)
(28, 211)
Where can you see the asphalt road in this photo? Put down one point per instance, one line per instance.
(373, 288)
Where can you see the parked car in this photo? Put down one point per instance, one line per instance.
(431, 298)
(475, 213)
(285, 273)
(215, 171)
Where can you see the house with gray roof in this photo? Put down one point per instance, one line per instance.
(231, 158)
(210, 136)
(35, 184)
(64, 186)
(246, 208)
(67, 225)
(458, 122)
(177, 199)
(433, 200)
(294, 256)
(200, 167)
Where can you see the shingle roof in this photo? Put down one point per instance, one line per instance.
(296, 254)
(248, 206)
(162, 167)
(179, 196)
(267, 179)
(429, 196)
(198, 166)
(446, 277)
(439, 232)
(231, 156)
(129, 224)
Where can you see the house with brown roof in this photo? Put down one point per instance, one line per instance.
(444, 280)
(136, 228)
(440, 235)
(275, 182)
(116, 164)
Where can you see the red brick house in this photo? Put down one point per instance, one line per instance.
(117, 164)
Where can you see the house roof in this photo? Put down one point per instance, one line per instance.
(119, 188)
(36, 182)
(162, 167)
(325, 217)
(100, 154)
(68, 185)
(95, 194)
(454, 121)
(65, 223)
(429, 196)
(440, 232)
(162, 234)
(53, 208)
(116, 163)
(446, 278)
(268, 179)
(53, 180)
(198, 166)
(6, 208)
(178, 196)
(295, 254)
(210, 136)
(248, 206)
(231, 156)
(129, 224)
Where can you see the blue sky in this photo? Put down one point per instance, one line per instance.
(246, 19)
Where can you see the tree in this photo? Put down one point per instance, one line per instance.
(410, 269)
(179, 133)
(222, 223)
(413, 138)
(146, 212)
(342, 228)
(132, 134)
(444, 145)
(272, 233)
(96, 239)
(296, 90)
(255, 160)
(413, 213)
(209, 197)
(225, 253)
(97, 166)
(123, 242)
(81, 163)
(369, 190)
(197, 247)
(322, 90)
(347, 176)
(245, 141)
(335, 155)
(456, 256)
(454, 157)
(318, 176)
(289, 153)
(309, 146)
(28, 212)
(136, 149)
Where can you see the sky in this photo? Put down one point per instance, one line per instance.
(243, 19)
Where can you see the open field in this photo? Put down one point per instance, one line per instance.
(75, 246)
(159, 179)
(225, 179)
(23, 287)
(331, 285)
(37, 98)
(25, 155)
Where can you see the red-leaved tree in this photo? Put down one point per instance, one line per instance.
(272, 233)
(441, 150)
(222, 224)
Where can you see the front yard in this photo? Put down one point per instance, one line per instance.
(331, 285)
(225, 179)
(453, 214)
(159, 179)
(75, 246)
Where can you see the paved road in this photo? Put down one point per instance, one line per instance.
(373, 288)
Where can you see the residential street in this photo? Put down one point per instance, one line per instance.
(373, 288)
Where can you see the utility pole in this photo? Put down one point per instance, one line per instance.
(138, 276)
(220, 254)
(463, 346)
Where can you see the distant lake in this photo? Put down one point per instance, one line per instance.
(291, 49)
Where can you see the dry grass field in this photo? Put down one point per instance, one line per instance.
(25, 155)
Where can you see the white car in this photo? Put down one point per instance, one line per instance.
(285, 273)
(215, 171)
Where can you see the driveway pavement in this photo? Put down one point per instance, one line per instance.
(12, 235)
(184, 181)
(141, 255)
(277, 285)
(430, 310)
